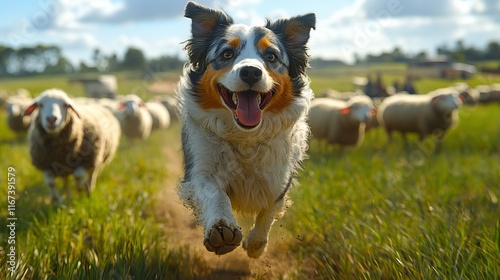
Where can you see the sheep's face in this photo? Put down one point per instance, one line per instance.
(53, 108)
(131, 107)
(53, 114)
(446, 102)
(358, 113)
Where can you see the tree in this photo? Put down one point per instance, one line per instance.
(134, 59)
(492, 50)
(6, 54)
(421, 55)
(62, 66)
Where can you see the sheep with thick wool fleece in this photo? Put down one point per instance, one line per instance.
(159, 115)
(66, 138)
(16, 120)
(134, 117)
(340, 122)
(468, 95)
(433, 113)
(489, 93)
(171, 104)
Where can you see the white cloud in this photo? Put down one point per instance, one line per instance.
(360, 26)
(68, 14)
(71, 40)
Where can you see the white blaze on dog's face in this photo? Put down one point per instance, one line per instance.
(247, 70)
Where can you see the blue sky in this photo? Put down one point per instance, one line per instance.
(344, 27)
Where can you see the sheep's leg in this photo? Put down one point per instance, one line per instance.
(90, 185)
(213, 209)
(405, 141)
(439, 143)
(80, 176)
(69, 196)
(389, 135)
(50, 181)
(257, 238)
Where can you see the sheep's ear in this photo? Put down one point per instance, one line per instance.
(121, 106)
(30, 109)
(373, 112)
(142, 105)
(69, 104)
(461, 98)
(345, 110)
(205, 25)
(294, 33)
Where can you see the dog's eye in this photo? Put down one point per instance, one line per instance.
(227, 54)
(270, 57)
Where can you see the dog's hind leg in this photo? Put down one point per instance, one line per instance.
(256, 241)
(213, 208)
(257, 238)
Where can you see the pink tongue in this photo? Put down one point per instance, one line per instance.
(248, 110)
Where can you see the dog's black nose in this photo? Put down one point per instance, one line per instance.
(250, 74)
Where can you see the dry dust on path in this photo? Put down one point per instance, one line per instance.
(182, 230)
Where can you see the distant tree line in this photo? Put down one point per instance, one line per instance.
(459, 53)
(26, 61)
(49, 59)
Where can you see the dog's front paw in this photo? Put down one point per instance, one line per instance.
(221, 239)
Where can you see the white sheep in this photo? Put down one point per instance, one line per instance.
(159, 115)
(340, 122)
(102, 86)
(468, 95)
(134, 117)
(489, 93)
(66, 138)
(171, 104)
(16, 120)
(433, 113)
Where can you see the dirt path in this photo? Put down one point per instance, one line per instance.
(181, 227)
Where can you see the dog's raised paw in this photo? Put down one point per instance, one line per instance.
(222, 240)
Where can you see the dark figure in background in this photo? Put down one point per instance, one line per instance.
(369, 89)
(380, 90)
(408, 86)
(395, 84)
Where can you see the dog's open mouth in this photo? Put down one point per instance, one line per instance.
(247, 105)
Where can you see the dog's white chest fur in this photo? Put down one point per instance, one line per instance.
(252, 173)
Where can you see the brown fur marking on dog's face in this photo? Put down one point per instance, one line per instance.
(248, 70)
(263, 44)
(234, 42)
(283, 95)
(208, 92)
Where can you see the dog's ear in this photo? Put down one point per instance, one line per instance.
(294, 33)
(206, 23)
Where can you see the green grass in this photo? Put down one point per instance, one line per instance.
(113, 235)
(378, 212)
(373, 212)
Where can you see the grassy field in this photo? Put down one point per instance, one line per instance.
(374, 212)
